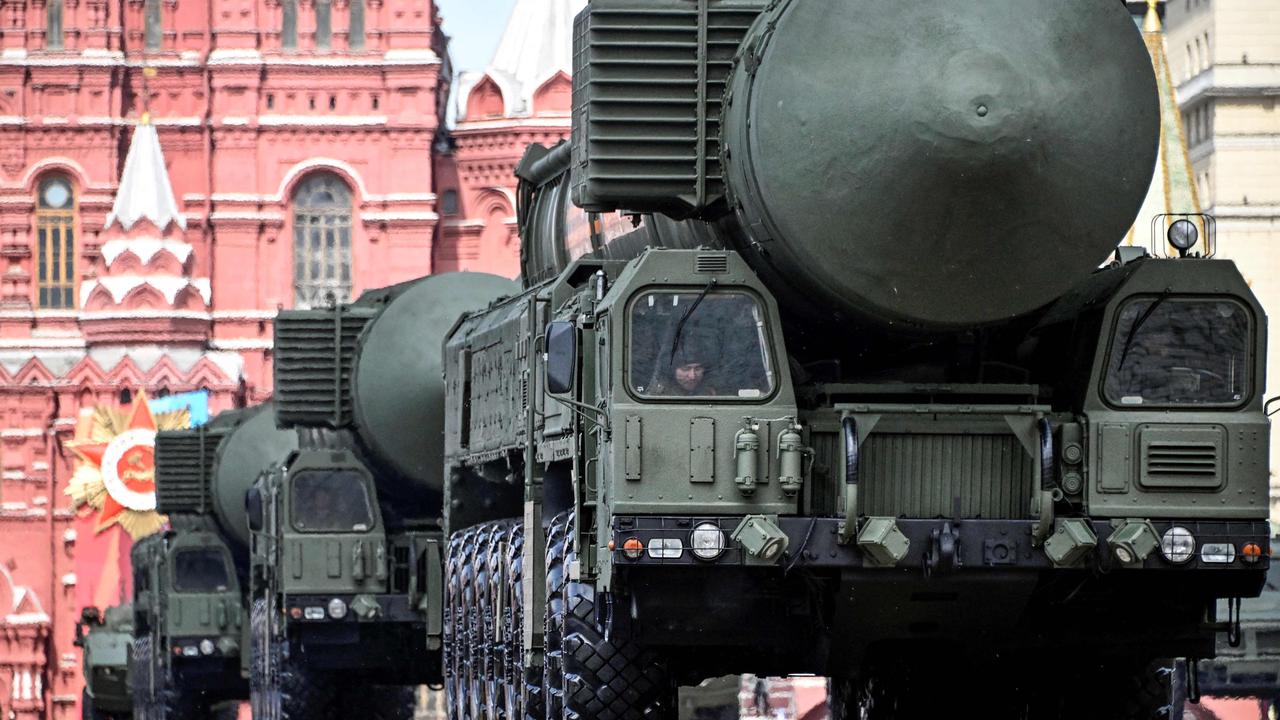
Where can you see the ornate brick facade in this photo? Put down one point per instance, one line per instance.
(283, 151)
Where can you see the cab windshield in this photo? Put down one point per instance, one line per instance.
(200, 570)
(699, 344)
(331, 501)
(1180, 352)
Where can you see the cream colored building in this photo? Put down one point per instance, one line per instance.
(1224, 56)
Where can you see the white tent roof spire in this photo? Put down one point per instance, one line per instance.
(537, 44)
(145, 191)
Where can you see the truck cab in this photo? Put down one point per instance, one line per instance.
(105, 640)
(187, 621)
(327, 574)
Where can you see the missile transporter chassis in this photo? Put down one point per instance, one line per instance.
(337, 615)
(348, 550)
(761, 409)
(106, 640)
(191, 582)
(184, 663)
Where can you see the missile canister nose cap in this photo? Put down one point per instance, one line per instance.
(940, 165)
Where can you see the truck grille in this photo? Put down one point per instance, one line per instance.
(933, 475)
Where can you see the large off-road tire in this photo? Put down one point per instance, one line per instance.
(473, 638)
(496, 606)
(167, 703)
(303, 693)
(553, 618)
(453, 634)
(483, 659)
(262, 680)
(606, 679)
(524, 696)
(458, 618)
(141, 666)
(488, 589)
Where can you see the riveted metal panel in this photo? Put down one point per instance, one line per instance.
(702, 450)
(1115, 454)
(335, 558)
(634, 437)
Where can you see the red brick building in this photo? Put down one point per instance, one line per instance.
(172, 173)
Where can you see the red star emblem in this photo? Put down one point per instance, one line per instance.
(128, 465)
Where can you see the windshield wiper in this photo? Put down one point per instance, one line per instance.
(1133, 331)
(675, 341)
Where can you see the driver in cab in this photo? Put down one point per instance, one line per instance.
(687, 372)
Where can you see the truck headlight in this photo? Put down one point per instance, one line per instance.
(206, 647)
(707, 541)
(1178, 545)
(337, 609)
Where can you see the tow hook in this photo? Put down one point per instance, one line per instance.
(943, 556)
(1233, 622)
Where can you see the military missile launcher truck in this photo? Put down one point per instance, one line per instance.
(816, 371)
(105, 640)
(190, 650)
(347, 580)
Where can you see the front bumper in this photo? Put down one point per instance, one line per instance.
(388, 608)
(396, 641)
(813, 543)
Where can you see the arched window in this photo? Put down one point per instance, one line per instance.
(321, 241)
(56, 243)
(154, 31)
(324, 24)
(289, 22)
(355, 30)
(53, 25)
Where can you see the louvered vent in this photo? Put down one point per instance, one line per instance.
(1180, 465)
(649, 78)
(184, 463)
(712, 264)
(314, 353)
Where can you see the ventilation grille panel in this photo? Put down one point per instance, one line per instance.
(314, 354)
(649, 78)
(184, 464)
(1182, 458)
(934, 475)
(712, 264)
